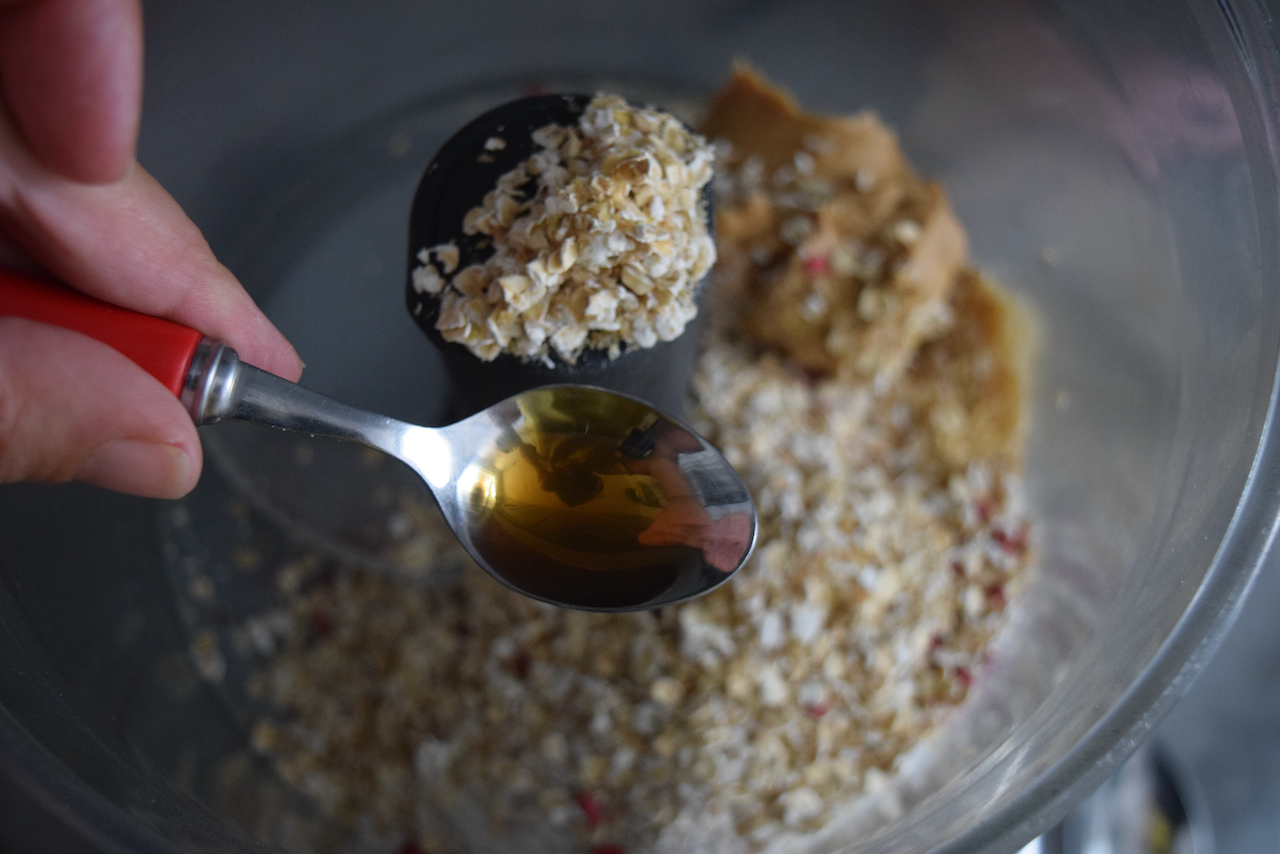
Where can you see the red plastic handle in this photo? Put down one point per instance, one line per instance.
(162, 348)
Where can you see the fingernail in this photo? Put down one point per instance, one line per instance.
(149, 469)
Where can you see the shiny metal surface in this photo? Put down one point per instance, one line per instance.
(651, 516)
(209, 381)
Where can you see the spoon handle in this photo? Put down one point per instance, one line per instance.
(160, 347)
(220, 386)
(206, 375)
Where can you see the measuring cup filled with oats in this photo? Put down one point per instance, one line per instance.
(564, 238)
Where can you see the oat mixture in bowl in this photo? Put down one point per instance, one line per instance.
(868, 384)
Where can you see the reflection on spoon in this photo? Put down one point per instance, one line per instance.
(597, 501)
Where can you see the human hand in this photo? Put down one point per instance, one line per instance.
(76, 205)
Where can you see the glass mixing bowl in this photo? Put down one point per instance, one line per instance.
(1114, 164)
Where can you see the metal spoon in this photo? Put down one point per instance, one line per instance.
(570, 494)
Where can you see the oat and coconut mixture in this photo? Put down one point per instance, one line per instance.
(606, 253)
(863, 381)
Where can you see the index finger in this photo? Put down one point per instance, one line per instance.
(129, 243)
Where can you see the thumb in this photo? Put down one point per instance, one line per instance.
(72, 408)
